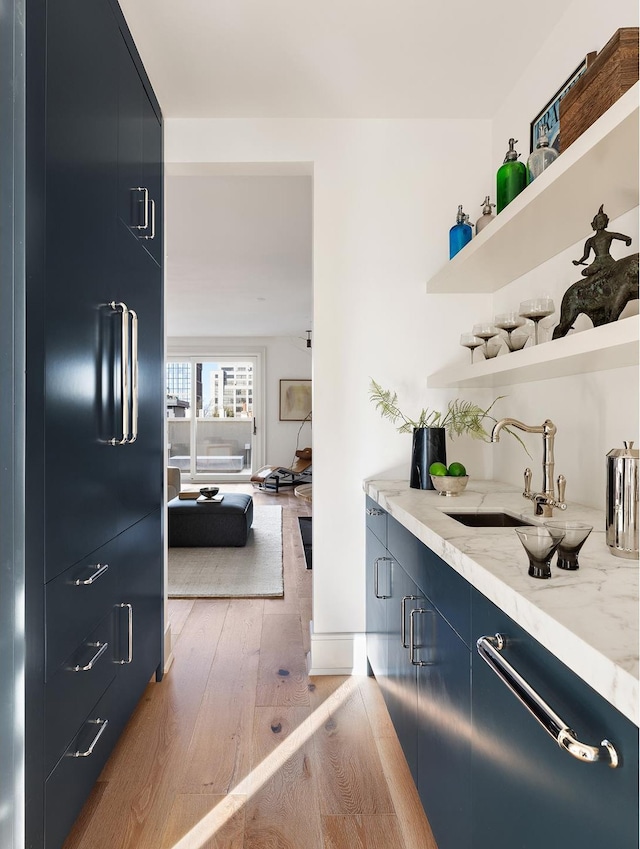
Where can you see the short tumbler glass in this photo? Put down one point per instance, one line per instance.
(539, 542)
(575, 534)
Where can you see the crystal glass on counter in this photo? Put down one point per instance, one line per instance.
(485, 330)
(539, 543)
(535, 310)
(575, 535)
(468, 340)
(509, 321)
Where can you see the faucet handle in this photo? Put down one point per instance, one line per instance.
(562, 485)
(527, 483)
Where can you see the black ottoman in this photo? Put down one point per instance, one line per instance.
(210, 524)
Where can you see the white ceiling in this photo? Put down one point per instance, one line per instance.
(304, 58)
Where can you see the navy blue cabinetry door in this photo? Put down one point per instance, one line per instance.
(378, 581)
(139, 629)
(81, 169)
(527, 791)
(401, 693)
(444, 730)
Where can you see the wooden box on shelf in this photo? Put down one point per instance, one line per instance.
(609, 75)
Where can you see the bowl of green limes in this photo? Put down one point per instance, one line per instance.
(448, 481)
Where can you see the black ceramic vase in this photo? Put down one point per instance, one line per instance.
(428, 447)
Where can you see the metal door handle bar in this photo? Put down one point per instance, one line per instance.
(403, 614)
(100, 568)
(129, 657)
(134, 376)
(103, 724)
(102, 647)
(375, 577)
(153, 221)
(373, 511)
(489, 649)
(124, 372)
(412, 643)
(145, 202)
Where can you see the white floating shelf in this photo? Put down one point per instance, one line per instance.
(610, 346)
(600, 167)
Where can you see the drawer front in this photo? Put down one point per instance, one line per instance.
(376, 520)
(448, 591)
(77, 601)
(70, 783)
(77, 685)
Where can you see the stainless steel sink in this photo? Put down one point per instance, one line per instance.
(488, 520)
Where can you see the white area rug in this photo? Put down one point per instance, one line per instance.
(253, 571)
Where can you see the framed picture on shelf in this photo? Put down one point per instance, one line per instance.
(295, 400)
(550, 113)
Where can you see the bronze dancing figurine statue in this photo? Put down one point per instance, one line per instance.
(609, 286)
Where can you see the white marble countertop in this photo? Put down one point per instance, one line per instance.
(587, 618)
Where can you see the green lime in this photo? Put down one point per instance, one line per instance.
(437, 469)
(456, 470)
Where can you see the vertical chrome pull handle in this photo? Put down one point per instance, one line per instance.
(145, 203)
(129, 656)
(85, 754)
(412, 643)
(373, 511)
(134, 376)
(102, 647)
(124, 372)
(403, 614)
(100, 569)
(376, 579)
(152, 235)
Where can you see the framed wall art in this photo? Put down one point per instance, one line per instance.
(295, 400)
(550, 113)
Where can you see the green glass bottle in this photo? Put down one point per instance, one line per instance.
(511, 177)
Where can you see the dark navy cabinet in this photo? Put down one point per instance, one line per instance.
(488, 774)
(94, 387)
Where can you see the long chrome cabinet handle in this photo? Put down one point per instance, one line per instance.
(145, 193)
(373, 511)
(417, 611)
(134, 376)
(403, 616)
(100, 568)
(129, 656)
(103, 725)
(489, 649)
(102, 647)
(124, 372)
(152, 235)
(376, 583)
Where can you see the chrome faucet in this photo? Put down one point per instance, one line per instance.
(546, 500)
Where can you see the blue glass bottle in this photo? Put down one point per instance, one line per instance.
(460, 233)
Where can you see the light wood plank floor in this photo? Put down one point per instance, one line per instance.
(238, 748)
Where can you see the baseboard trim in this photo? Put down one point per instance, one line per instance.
(336, 653)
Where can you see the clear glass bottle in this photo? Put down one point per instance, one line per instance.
(511, 178)
(486, 216)
(541, 157)
(460, 234)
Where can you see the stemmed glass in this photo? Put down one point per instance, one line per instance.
(509, 321)
(486, 331)
(539, 543)
(536, 309)
(468, 340)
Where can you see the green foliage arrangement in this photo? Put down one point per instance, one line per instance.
(460, 418)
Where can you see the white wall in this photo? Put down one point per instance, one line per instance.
(284, 357)
(385, 195)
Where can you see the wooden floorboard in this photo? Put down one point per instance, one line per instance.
(237, 748)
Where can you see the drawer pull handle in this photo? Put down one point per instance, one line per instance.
(145, 201)
(403, 616)
(100, 569)
(103, 724)
(489, 649)
(152, 235)
(376, 582)
(373, 511)
(129, 656)
(102, 647)
(412, 643)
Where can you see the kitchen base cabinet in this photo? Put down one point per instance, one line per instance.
(527, 791)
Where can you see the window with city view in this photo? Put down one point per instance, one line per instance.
(210, 405)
